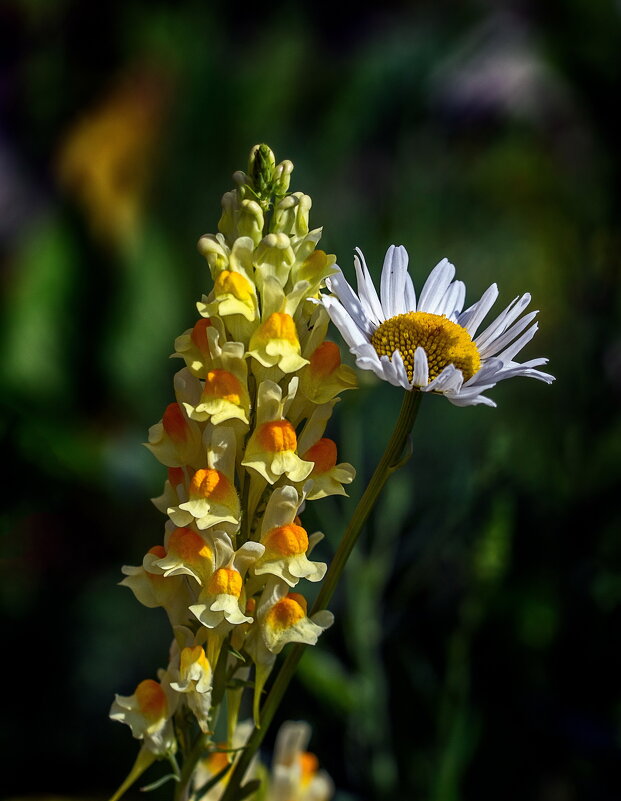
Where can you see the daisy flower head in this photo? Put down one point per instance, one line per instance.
(430, 343)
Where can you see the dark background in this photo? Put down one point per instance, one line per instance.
(474, 652)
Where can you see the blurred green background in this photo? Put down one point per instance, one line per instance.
(474, 652)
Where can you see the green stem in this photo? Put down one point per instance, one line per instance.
(389, 463)
(200, 747)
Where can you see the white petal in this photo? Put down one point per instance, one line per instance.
(503, 321)
(508, 354)
(420, 377)
(435, 286)
(400, 372)
(340, 287)
(366, 290)
(450, 302)
(348, 328)
(386, 282)
(450, 379)
(472, 318)
(470, 400)
(498, 343)
(394, 281)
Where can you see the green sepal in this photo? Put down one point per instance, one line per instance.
(248, 789)
(143, 761)
(158, 783)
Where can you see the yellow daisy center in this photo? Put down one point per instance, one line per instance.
(444, 342)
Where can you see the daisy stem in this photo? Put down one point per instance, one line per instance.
(391, 461)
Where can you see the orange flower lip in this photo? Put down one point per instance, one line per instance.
(176, 476)
(231, 283)
(323, 454)
(309, 765)
(210, 483)
(285, 613)
(277, 436)
(199, 335)
(175, 424)
(151, 700)
(278, 326)
(289, 540)
(188, 545)
(225, 581)
(325, 359)
(218, 760)
(224, 385)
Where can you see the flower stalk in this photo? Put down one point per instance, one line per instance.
(391, 460)
(245, 450)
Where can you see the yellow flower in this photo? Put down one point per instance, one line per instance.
(286, 542)
(271, 449)
(223, 597)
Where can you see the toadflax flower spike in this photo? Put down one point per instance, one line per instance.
(430, 344)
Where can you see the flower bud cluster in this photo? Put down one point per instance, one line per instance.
(245, 450)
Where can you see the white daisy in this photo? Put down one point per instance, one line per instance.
(430, 345)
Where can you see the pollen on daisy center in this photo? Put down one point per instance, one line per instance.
(151, 700)
(444, 342)
(224, 385)
(277, 436)
(225, 581)
(289, 540)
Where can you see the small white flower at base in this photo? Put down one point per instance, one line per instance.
(295, 775)
(148, 712)
(429, 345)
(195, 680)
(281, 618)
